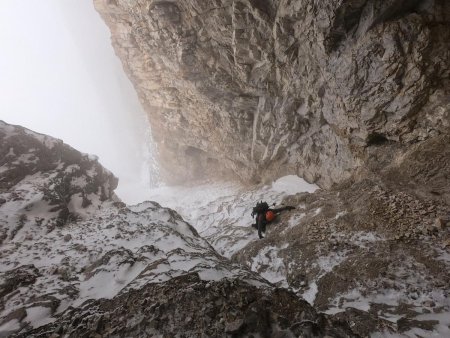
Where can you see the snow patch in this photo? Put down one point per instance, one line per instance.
(292, 185)
(38, 316)
(310, 294)
(107, 284)
(340, 214)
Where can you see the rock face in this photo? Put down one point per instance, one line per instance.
(115, 271)
(263, 88)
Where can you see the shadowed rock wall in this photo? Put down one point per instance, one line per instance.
(263, 88)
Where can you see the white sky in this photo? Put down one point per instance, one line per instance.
(59, 76)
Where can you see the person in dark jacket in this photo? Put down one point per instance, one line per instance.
(264, 215)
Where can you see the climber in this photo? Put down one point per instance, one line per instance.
(265, 215)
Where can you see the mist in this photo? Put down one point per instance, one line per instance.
(60, 76)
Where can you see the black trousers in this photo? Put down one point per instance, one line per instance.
(261, 223)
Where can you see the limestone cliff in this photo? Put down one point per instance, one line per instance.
(262, 88)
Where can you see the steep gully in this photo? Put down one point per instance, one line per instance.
(352, 95)
(373, 255)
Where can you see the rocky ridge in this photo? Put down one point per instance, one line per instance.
(45, 184)
(267, 88)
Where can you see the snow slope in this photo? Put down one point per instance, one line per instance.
(68, 246)
(67, 239)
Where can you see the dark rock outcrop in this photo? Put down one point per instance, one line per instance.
(18, 277)
(189, 307)
(266, 88)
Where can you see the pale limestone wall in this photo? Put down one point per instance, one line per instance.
(271, 87)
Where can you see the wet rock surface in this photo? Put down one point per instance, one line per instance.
(269, 88)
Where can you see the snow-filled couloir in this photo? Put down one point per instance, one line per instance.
(74, 260)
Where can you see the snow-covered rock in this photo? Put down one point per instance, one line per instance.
(363, 247)
(114, 270)
(45, 183)
(372, 252)
(112, 252)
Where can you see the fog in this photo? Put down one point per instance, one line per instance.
(59, 76)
